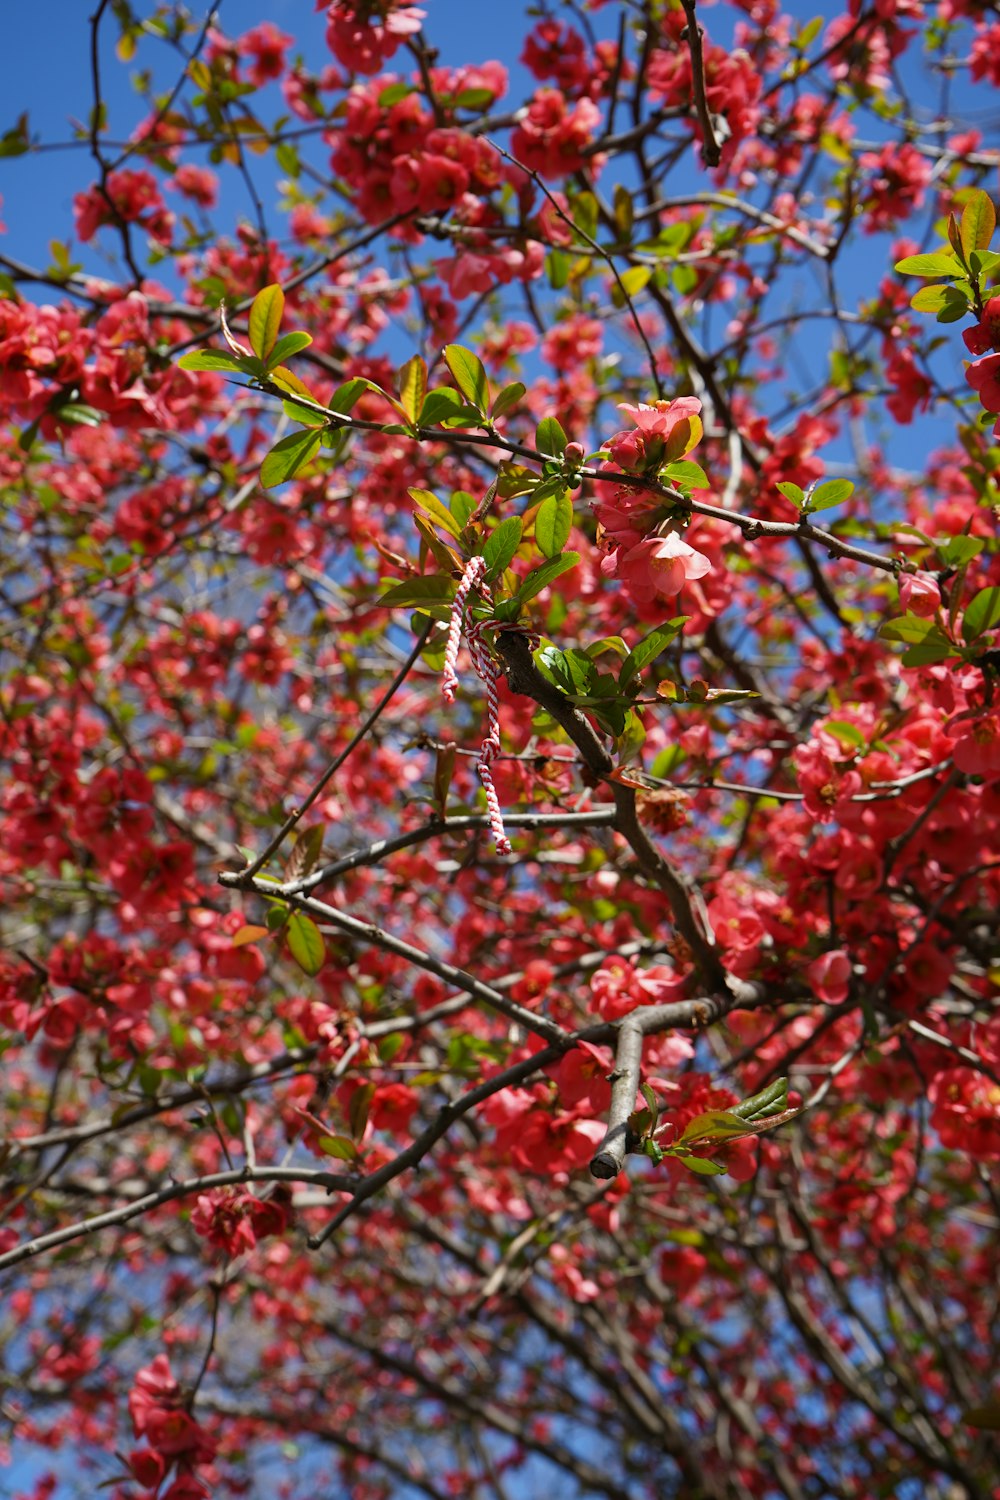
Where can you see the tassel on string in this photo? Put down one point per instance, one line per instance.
(486, 669)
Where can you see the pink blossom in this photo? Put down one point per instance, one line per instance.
(362, 43)
(984, 377)
(656, 565)
(830, 976)
(986, 334)
(978, 751)
(919, 594)
(663, 431)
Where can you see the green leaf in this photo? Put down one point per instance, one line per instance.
(713, 1125)
(647, 650)
(959, 549)
(477, 99)
(624, 212)
(501, 544)
(831, 493)
(289, 344)
(411, 382)
(557, 268)
(346, 396)
(307, 416)
(846, 733)
(608, 643)
(436, 508)
(585, 212)
(470, 376)
(208, 359)
(703, 1166)
(540, 578)
(289, 456)
(394, 93)
(305, 942)
(550, 439)
(429, 588)
(634, 279)
(809, 33)
(462, 504)
(439, 403)
(553, 523)
(939, 264)
(508, 397)
(982, 613)
(287, 157)
(338, 1146)
(630, 738)
(358, 1109)
(792, 492)
(908, 627)
(685, 474)
(979, 219)
(79, 415)
(265, 320)
(572, 669)
(769, 1101)
(933, 648)
(931, 299)
(984, 262)
(955, 308)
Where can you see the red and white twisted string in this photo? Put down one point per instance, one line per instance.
(486, 669)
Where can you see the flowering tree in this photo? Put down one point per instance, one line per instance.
(500, 822)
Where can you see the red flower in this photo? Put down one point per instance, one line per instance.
(984, 377)
(966, 1113)
(978, 751)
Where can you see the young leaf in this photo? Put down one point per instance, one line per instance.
(550, 438)
(412, 386)
(346, 396)
(265, 320)
(208, 359)
(979, 219)
(250, 933)
(981, 613)
(768, 1101)
(340, 1147)
(647, 650)
(289, 456)
(358, 1109)
(440, 403)
(553, 523)
(287, 380)
(685, 475)
(470, 376)
(432, 588)
(305, 942)
(939, 264)
(703, 1166)
(540, 578)
(501, 544)
(713, 1125)
(934, 647)
(828, 494)
(931, 299)
(508, 398)
(289, 344)
(436, 508)
(906, 627)
(792, 492)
